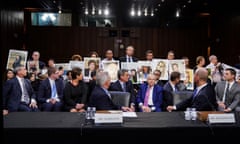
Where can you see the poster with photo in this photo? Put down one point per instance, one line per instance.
(189, 81)
(132, 70)
(178, 66)
(112, 68)
(144, 69)
(76, 64)
(90, 65)
(66, 67)
(237, 70)
(162, 66)
(16, 58)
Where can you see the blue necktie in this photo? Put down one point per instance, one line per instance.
(195, 93)
(54, 90)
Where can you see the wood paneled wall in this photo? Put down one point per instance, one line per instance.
(61, 43)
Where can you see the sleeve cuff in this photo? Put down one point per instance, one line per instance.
(33, 101)
(174, 107)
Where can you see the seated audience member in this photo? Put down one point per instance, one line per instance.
(149, 55)
(150, 95)
(18, 94)
(34, 81)
(75, 92)
(124, 84)
(186, 60)
(169, 88)
(35, 65)
(51, 63)
(9, 74)
(50, 92)
(203, 98)
(93, 54)
(108, 56)
(228, 92)
(200, 61)
(129, 55)
(157, 74)
(216, 69)
(68, 77)
(100, 97)
(76, 57)
(170, 55)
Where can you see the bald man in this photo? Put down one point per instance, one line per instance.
(203, 98)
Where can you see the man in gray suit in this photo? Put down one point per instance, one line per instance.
(228, 92)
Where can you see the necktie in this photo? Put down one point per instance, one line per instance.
(24, 92)
(195, 93)
(54, 90)
(146, 97)
(129, 59)
(226, 93)
(124, 87)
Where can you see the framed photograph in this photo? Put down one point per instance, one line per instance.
(189, 81)
(91, 65)
(162, 66)
(178, 66)
(78, 64)
(16, 58)
(112, 68)
(144, 69)
(132, 70)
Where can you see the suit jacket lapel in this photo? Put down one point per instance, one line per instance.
(119, 85)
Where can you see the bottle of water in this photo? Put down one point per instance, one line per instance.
(93, 111)
(88, 113)
(193, 114)
(188, 114)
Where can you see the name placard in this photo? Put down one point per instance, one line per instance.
(221, 118)
(108, 118)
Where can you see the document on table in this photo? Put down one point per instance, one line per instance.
(129, 114)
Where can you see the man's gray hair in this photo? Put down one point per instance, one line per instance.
(102, 77)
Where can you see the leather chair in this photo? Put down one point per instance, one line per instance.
(120, 98)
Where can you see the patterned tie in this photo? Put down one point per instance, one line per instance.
(147, 97)
(54, 90)
(26, 98)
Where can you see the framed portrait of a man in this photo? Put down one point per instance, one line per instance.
(112, 68)
(16, 58)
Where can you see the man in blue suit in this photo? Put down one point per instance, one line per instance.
(125, 85)
(203, 98)
(50, 91)
(150, 96)
(18, 94)
(100, 97)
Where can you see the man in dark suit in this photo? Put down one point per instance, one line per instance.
(50, 91)
(169, 88)
(129, 55)
(149, 96)
(228, 92)
(203, 98)
(100, 97)
(18, 94)
(124, 84)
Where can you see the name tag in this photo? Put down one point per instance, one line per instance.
(221, 118)
(104, 118)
